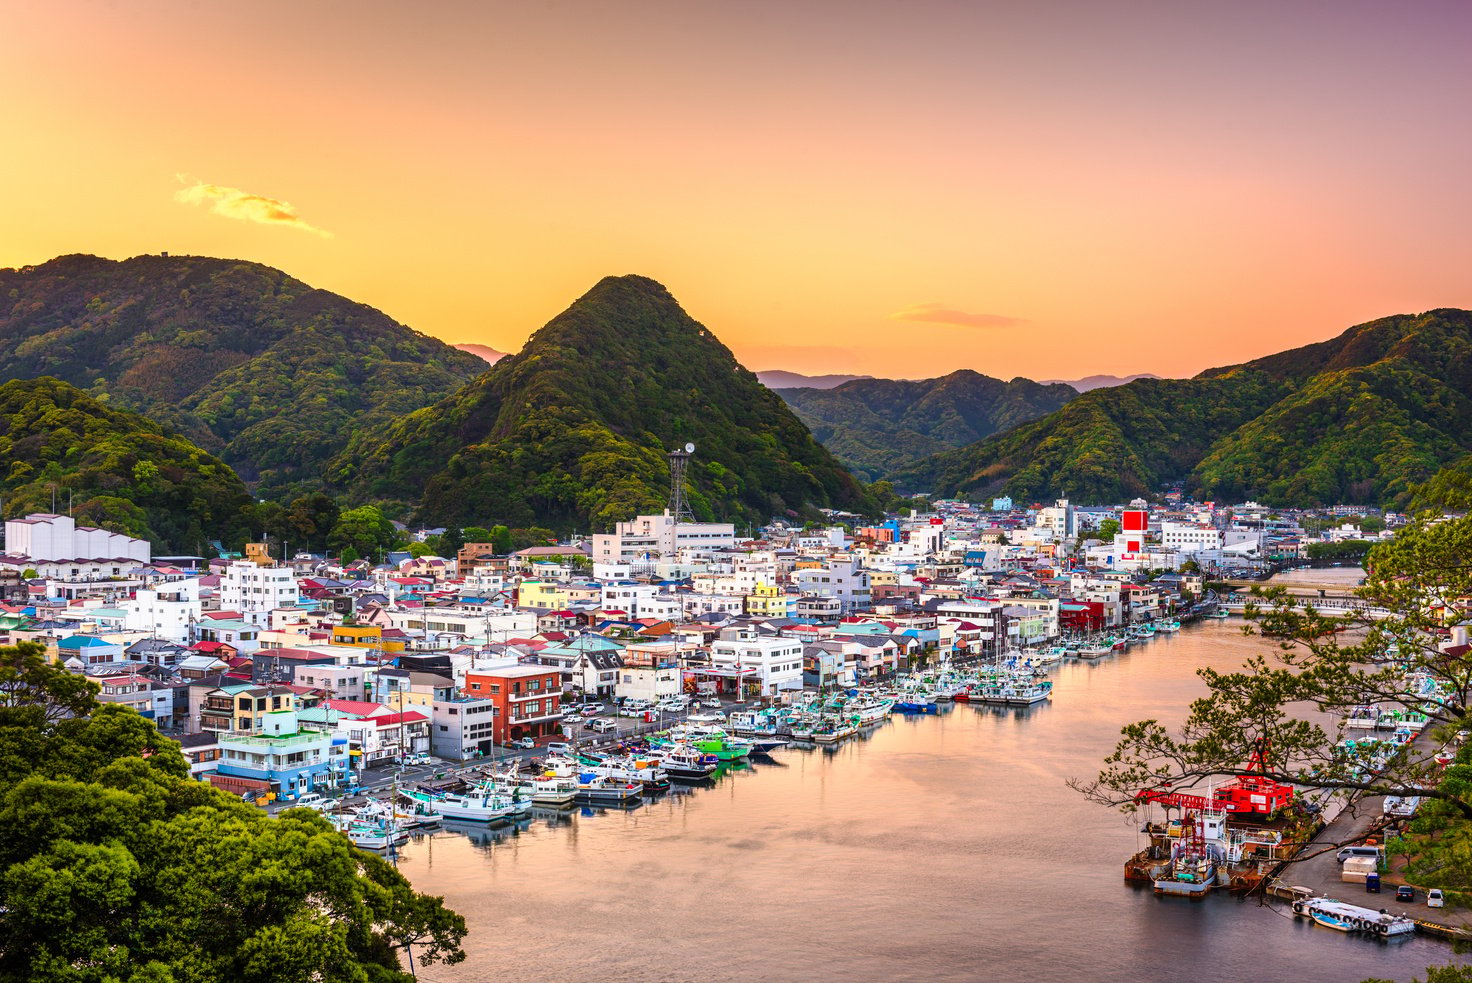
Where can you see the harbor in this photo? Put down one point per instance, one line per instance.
(917, 851)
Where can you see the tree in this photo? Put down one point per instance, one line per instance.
(1107, 530)
(117, 866)
(363, 529)
(417, 550)
(27, 680)
(1332, 664)
(311, 518)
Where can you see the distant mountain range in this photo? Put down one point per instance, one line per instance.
(249, 363)
(1091, 382)
(484, 352)
(877, 426)
(1361, 418)
(780, 379)
(572, 431)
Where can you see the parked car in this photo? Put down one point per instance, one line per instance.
(559, 747)
(525, 743)
(601, 725)
(1435, 899)
(572, 718)
(592, 708)
(311, 800)
(1405, 893)
(418, 759)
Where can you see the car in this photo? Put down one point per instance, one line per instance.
(418, 759)
(601, 725)
(310, 800)
(592, 708)
(1435, 899)
(1405, 893)
(1357, 851)
(572, 718)
(525, 743)
(559, 747)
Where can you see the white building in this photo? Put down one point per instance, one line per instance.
(647, 682)
(778, 661)
(648, 538)
(56, 547)
(166, 610)
(1060, 518)
(1189, 537)
(255, 591)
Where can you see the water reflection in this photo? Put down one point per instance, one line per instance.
(941, 847)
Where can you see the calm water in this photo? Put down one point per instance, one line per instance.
(943, 848)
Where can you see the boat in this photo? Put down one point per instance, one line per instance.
(1187, 875)
(644, 770)
(1344, 917)
(685, 762)
(369, 836)
(480, 804)
(546, 789)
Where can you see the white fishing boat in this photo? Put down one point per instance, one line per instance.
(1344, 917)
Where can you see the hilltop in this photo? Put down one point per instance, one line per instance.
(877, 426)
(572, 431)
(249, 363)
(1360, 418)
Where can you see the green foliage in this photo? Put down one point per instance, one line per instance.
(1364, 417)
(249, 363)
(116, 866)
(1107, 530)
(364, 530)
(120, 471)
(877, 426)
(1346, 549)
(572, 432)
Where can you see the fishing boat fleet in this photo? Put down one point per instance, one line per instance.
(697, 750)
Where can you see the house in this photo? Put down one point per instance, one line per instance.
(528, 698)
(463, 727)
(280, 758)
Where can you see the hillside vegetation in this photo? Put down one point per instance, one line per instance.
(114, 469)
(877, 426)
(572, 431)
(1364, 417)
(246, 361)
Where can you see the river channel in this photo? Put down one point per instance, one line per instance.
(940, 848)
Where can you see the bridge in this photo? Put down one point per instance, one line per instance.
(1233, 596)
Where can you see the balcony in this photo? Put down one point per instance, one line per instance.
(269, 743)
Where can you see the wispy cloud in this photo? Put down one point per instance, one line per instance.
(941, 314)
(234, 203)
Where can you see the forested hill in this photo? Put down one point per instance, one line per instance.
(250, 363)
(572, 431)
(1360, 418)
(114, 469)
(877, 426)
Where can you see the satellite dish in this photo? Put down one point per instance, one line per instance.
(689, 448)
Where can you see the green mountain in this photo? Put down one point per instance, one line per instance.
(877, 426)
(572, 431)
(248, 362)
(1360, 418)
(115, 469)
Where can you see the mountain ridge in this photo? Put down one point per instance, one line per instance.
(248, 362)
(572, 431)
(876, 426)
(1362, 417)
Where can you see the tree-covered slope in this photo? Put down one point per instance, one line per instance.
(117, 470)
(252, 364)
(877, 426)
(573, 430)
(1363, 417)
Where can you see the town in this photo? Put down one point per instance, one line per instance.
(284, 676)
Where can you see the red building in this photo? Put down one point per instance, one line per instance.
(1081, 617)
(528, 699)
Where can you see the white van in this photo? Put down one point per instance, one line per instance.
(559, 747)
(310, 800)
(1435, 899)
(1373, 852)
(601, 725)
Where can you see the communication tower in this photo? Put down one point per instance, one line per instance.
(679, 507)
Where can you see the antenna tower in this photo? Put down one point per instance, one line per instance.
(679, 506)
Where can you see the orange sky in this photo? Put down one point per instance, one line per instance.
(1042, 189)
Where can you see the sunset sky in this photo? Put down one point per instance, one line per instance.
(1049, 189)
